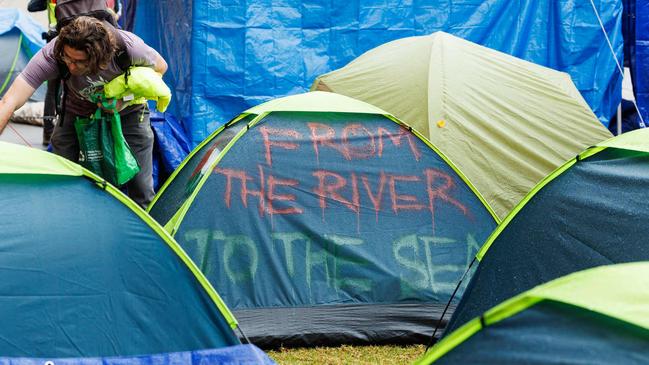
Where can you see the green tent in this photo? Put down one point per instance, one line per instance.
(506, 123)
(596, 316)
(315, 207)
(87, 273)
(592, 211)
(20, 39)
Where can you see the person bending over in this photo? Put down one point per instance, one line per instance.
(87, 54)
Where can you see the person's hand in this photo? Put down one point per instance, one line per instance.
(119, 105)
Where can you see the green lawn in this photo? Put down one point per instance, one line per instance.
(393, 355)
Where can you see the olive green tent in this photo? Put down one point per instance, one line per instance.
(506, 123)
(596, 316)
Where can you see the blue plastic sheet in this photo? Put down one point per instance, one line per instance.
(234, 355)
(171, 144)
(641, 58)
(246, 52)
(166, 26)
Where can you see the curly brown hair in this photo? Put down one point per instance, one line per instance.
(90, 35)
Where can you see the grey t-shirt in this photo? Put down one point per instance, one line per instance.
(43, 66)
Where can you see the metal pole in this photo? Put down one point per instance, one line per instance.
(619, 119)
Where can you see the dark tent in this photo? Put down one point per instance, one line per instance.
(592, 211)
(596, 316)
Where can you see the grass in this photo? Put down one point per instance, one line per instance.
(348, 355)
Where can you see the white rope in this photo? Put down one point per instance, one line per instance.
(617, 62)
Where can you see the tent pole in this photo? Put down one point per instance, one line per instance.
(448, 304)
(619, 119)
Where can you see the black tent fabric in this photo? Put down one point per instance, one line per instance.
(595, 213)
(556, 330)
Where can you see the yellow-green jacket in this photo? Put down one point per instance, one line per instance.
(143, 84)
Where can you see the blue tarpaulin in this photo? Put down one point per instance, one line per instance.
(234, 355)
(171, 145)
(641, 57)
(227, 55)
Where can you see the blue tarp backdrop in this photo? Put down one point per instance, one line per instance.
(228, 55)
(641, 57)
(233, 355)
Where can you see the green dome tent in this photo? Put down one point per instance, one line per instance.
(592, 211)
(87, 273)
(504, 122)
(322, 219)
(20, 39)
(596, 316)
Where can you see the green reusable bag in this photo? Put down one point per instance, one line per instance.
(91, 155)
(103, 149)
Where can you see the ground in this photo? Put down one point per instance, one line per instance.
(392, 355)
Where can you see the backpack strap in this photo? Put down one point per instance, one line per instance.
(64, 75)
(121, 57)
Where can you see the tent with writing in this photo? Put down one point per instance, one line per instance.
(322, 219)
(86, 273)
(504, 122)
(592, 211)
(596, 316)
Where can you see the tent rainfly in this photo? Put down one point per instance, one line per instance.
(596, 316)
(20, 39)
(322, 219)
(592, 211)
(87, 275)
(504, 122)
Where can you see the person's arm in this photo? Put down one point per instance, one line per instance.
(142, 54)
(40, 68)
(14, 98)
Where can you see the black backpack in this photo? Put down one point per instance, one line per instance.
(66, 10)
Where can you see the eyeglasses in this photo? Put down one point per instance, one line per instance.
(77, 63)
